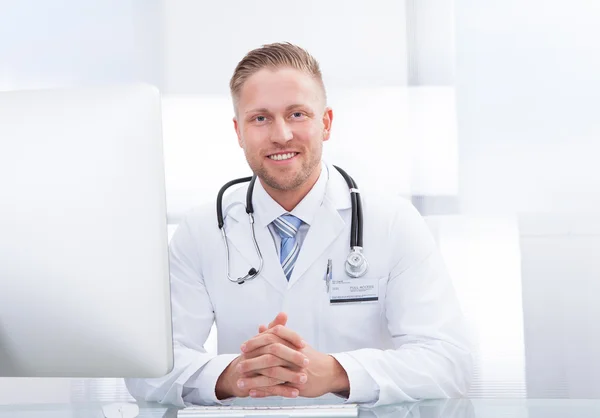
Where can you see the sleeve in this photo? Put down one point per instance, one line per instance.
(431, 357)
(195, 373)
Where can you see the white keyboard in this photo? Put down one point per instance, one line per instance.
(298, 411)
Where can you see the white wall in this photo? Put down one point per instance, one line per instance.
(528, 92)
(68, 42)
(482, 254)
(561, 284)
(430, 42)
(358, 43)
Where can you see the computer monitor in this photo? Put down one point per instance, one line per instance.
(84, 281)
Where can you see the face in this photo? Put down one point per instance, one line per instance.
(281, 124)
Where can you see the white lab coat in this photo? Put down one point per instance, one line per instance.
(409, 345)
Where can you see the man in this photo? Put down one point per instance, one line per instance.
(405, 342)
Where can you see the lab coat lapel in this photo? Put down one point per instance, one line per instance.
(239, 235)
(327, 226)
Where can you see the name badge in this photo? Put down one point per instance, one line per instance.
(354, 290)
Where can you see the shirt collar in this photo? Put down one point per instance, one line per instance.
(267, 209)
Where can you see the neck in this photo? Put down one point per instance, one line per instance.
(289, 199)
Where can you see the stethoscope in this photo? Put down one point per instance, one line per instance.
(356, 263)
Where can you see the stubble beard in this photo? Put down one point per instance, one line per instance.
(282, 184)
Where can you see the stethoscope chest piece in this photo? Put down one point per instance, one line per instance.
(356, 263)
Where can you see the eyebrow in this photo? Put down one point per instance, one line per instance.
(265, 110)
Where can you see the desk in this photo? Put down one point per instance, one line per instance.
(463, 408)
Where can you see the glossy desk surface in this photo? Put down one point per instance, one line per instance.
(477, 408)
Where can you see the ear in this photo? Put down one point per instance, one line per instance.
(236, 126)
(327, 122)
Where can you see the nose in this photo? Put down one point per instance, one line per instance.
(281, 131)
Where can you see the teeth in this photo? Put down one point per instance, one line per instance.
(280, 157)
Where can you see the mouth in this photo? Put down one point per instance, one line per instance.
(282, 156)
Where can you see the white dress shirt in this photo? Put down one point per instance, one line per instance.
(267, 209)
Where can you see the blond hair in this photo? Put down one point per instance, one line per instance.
(274, 56)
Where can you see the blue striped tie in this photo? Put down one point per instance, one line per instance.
(287, 227)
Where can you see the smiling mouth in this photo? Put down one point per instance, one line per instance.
(281, 157)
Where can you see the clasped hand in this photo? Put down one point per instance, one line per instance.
(277, 362)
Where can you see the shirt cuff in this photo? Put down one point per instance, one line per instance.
(363, 389)
(205, 385)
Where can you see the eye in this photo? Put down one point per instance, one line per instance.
(260, 118)
(297, 115)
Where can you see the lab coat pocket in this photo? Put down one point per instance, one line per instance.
(354, 314)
